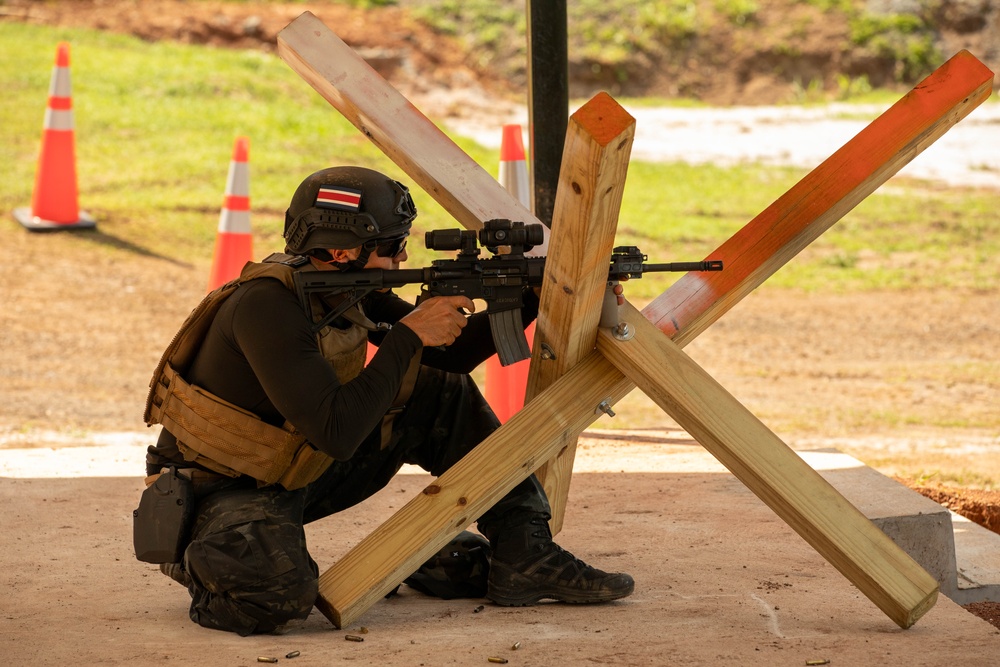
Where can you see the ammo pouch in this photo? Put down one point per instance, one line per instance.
(162, 522)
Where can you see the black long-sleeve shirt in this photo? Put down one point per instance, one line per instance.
(261, 354)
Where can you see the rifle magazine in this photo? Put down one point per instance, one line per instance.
(508, 335)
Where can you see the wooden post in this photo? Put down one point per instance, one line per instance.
(560, 413)
(767, 466)
(600, 138)
(591, 183)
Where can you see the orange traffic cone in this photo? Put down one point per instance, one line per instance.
(513, 174)
(505, 385)
(54, 201)
(234, 242)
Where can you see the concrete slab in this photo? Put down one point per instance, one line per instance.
(720, 579)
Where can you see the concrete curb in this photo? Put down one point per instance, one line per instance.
(963, 556)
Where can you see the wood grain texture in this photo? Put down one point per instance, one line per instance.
(591, 183)
(880, 569)
(466, 490)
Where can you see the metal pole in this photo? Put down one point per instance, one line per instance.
(548, 99)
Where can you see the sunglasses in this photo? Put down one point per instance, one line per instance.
(391, 248)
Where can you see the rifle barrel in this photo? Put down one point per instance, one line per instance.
(707, 265)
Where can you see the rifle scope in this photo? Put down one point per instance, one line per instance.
(516, 234)
(495, 233)
(450, 239)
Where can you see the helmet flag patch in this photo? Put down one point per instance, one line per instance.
(338, 198)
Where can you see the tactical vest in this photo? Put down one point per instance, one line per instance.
(223, 437)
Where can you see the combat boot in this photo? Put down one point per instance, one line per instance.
(527, 567)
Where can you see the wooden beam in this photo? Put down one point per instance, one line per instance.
(816, 202)
(388, 119)
(823, 197)
(880, 569)
(564, 410)
(466, 490)
(591, 182)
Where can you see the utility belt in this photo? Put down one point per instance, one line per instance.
(199, 478)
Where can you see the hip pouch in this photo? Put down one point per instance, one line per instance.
(162, 522)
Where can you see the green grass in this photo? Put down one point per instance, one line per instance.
(909, 237)
(155, 125)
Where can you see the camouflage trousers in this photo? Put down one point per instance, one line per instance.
(248, 565)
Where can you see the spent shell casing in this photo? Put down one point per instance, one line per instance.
(354, 638)
(293, 654)
(515, 646)
(499, 661)
(813, 663)
(264, 658)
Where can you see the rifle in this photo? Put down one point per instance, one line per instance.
(498, 280)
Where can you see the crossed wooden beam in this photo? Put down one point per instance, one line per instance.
(586, 365)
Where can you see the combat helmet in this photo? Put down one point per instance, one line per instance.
(347, 207)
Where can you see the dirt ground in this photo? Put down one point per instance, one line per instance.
(814, 367)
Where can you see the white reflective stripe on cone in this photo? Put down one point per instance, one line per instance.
(238, 182)
(58, 120)
(234, 222)
(59, 85)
